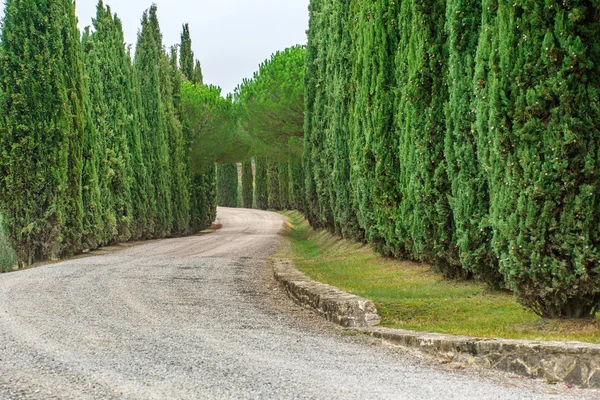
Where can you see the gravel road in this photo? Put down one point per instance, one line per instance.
(200, 318)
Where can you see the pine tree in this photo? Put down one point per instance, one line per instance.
(42, 129)
(227, 183)
(247, 184)
(543, 137)
(155, 132)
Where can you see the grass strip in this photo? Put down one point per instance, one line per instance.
(411, 296)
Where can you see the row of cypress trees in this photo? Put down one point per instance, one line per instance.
(463, 133)
(93, 146)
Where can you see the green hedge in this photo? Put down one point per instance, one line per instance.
(464, 134)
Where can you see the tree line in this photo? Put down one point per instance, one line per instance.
(462, 133)
(97, 146)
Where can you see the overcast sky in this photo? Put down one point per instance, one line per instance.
(230, 37)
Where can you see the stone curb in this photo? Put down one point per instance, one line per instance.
(575, 363)
(342, 308)
(570, 362)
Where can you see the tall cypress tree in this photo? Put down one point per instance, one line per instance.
(186, 56)
(178, 157)
(197, 76)
(283, 180)
(109, 49)
(148, 56)
(544, 92)
(425, 217)
(247, 184)
(96, 202)
(261, 190)
(227, 183)
(273, 188)
(42, 128)
(72, 72)
(469, 200)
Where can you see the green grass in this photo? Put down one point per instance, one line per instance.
(411, 296)
(8, 258)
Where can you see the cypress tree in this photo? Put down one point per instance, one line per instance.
(197, 76)
(425, 218)
(375, 144)
(42, 129)
(297, 180)
(284, 184)
(171, 100)
(469, 200)
(345, 216)
(95, 202)
(261, 190)
(227, 183)
(141, 188)
(543, 140)
(186, 57)
(148, 56)
(72, 71)
(310, 141)
(108, 38)
(362, 155)
(273, 188)
(247, 184)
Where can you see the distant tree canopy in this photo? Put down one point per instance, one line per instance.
(271, 104)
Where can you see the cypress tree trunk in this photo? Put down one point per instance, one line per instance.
(247, 184)
(261, 190)
(544, 145)
(227, 183)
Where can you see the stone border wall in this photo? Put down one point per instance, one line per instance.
(571, 362)
(342, 308)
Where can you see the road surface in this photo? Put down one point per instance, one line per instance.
(198, 318)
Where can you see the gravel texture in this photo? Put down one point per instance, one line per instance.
(201, 318)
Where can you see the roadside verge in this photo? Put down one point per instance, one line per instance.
(574, 363)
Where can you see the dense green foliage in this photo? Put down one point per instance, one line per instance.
(261, 182)
(247, 184)
(462, 133)
(41, 129)
(227, 185)
(97, 149)
(543, 137)
(270, 117)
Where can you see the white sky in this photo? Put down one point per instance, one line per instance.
(229, 37)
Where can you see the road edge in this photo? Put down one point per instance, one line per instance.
(574, 363)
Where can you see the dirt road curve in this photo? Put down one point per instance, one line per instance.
(194, 318)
